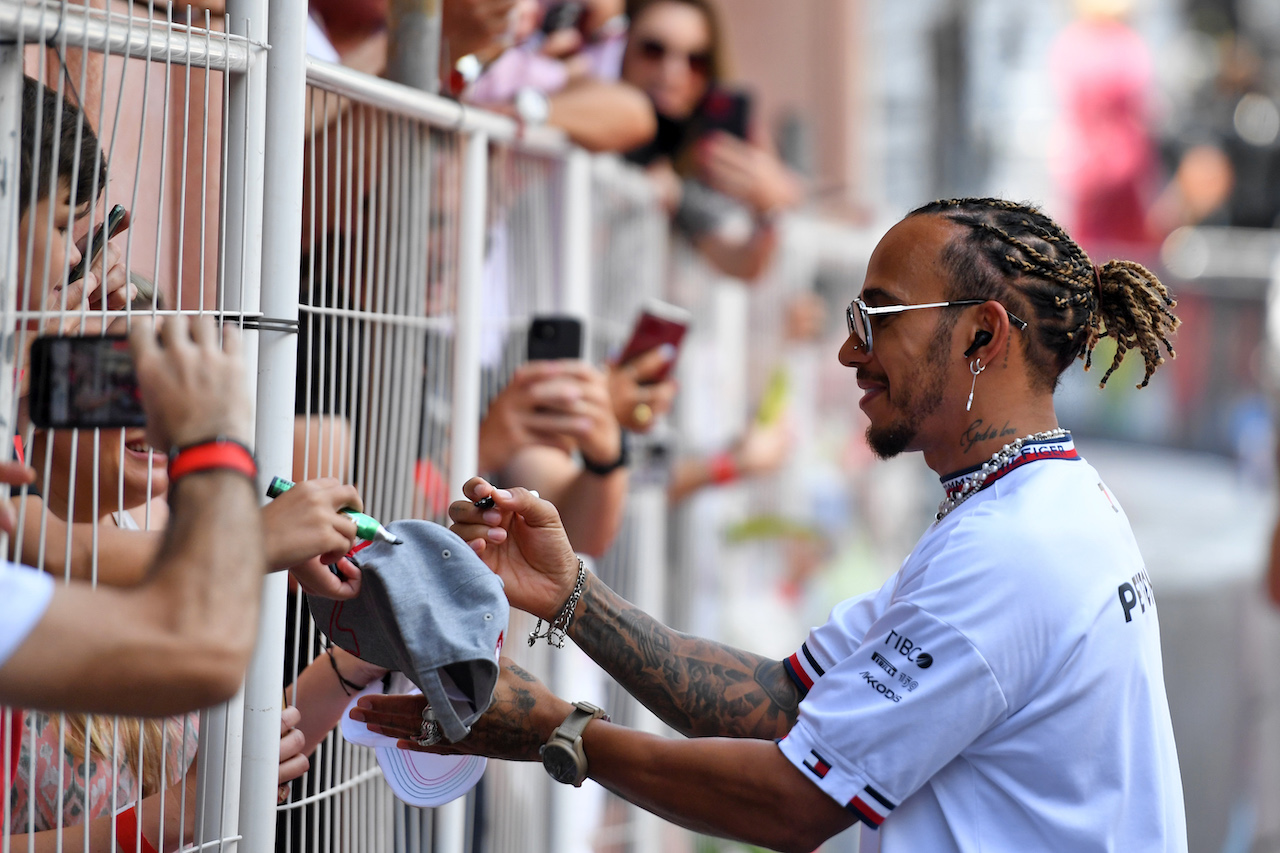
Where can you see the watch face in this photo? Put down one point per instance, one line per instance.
(560, 763)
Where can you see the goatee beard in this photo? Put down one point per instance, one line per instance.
(927, 385)
(889, 442)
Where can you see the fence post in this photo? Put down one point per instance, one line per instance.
(10, 159)
(222, 744)
(465, 439)
(575, 300)
(465, 423)
(413, 56)
(575, 237)
(277, 363)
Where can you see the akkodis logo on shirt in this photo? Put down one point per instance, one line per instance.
(879, 686)
(904, 646)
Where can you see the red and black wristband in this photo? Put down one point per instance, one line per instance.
(216, 454)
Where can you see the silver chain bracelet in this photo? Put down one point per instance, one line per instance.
(557, 629)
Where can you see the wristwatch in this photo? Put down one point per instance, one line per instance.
(604, 469)
(562, 755)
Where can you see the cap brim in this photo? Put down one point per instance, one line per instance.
(425, 779)
(417, 778)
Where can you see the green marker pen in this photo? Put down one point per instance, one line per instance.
(367, 527)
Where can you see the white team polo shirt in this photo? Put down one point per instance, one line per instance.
(1003, 691)
(24, 596)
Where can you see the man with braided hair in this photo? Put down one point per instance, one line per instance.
(1003, 691)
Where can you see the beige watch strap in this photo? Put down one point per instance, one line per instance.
(574, 724)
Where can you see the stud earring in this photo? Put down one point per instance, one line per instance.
(975, 367)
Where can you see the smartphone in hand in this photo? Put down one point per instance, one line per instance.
(553, 337)
(84, 382)
(659, 323)
(104, 232)
(727, 111)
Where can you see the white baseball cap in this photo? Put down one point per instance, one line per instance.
(417, 778)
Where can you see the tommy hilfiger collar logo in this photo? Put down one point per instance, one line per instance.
(959, 489)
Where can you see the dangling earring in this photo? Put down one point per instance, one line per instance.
(975, 367)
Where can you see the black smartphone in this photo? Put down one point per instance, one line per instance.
(105, 231)
(555, 337)
(84, 382)
(726, 110)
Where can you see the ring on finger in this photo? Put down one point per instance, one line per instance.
(429, 733)
(642, 413)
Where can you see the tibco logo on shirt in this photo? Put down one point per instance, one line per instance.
(905, 647)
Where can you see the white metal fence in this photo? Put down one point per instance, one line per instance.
(383, 250)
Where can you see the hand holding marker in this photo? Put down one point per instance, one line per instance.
(367, 527)
(487, 503)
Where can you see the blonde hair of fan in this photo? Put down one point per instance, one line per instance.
(133, 732)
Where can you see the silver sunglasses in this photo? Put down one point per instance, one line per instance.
(859, 315)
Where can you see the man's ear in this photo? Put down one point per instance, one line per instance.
(991, 331)
(980, 340)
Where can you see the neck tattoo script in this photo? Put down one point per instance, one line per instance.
(978, 431)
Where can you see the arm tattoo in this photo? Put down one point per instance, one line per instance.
(698, 687)
(508, 728)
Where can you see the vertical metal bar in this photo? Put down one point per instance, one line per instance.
(220, 743)
(10, 157)
(182, 181)
(204, 167)
(244, 129)
(413, 56)
(331, 280)
(575, 256)
(389, 250)
(393, 406)
(362, 270)
(247, 106)
(281, 218)
(464, 458)
(162, 185)
(344, 328)
(368, 285)
(466, 343)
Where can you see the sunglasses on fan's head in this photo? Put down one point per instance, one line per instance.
(653, 50)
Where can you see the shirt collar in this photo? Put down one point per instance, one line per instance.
(1032, 451)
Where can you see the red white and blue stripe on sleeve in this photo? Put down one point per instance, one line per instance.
(868, 805)
(803, 668)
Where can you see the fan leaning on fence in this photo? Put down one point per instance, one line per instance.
(181, 639)
(56, 146)
(1003, 688)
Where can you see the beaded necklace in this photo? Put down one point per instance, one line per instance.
(974, 482)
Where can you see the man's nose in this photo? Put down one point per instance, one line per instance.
(853, 353)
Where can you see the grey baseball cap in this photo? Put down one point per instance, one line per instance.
(428, 608)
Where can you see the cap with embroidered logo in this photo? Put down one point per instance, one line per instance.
(431, 609)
